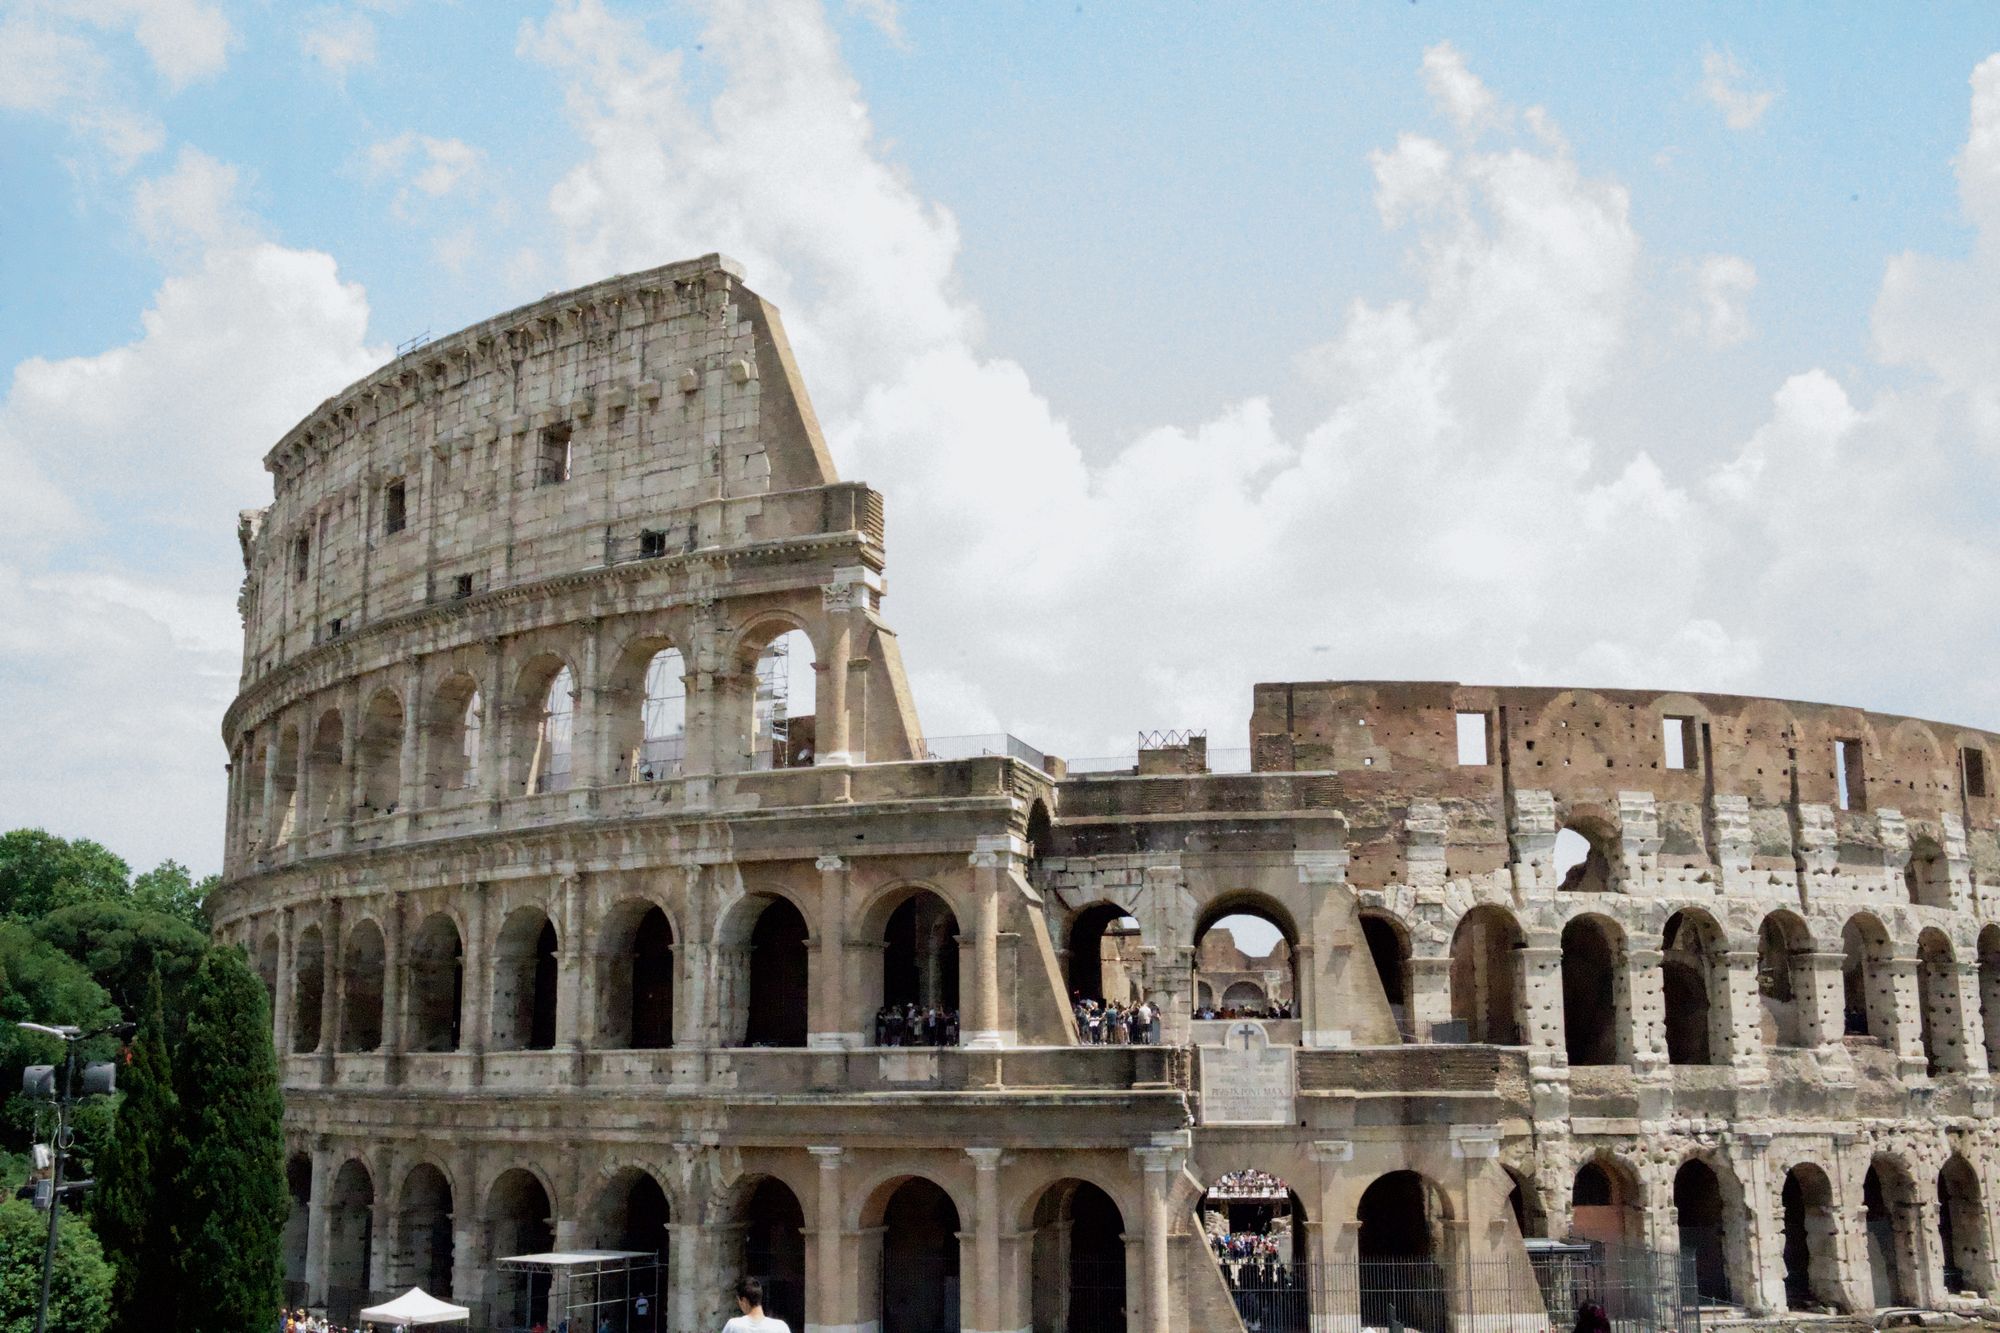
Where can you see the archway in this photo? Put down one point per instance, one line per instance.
(437, 986)
(524, 983)
(350, 1239)
(308, 989)
(1942, 1020)
(1607, 1205)
(326, 772)
(1400, 1252)
(1486, 976)
(779, 980)
(919, 974)
(774, 1249)
(1704, 1230)
(361, 989)
(1103, 962)
(1690, 969)
(424, 1254)
(1596, 1019)
(1962, 1229)
(632, 1214)
(379, 752)
(1245, 997)
(1581, 861)
(1811, 1240)
(1524, 1201)
(1867, 988)
(636, 978)
(783, 722)
(1389, 950)
(452, 737)
(298, 1224)
(1927, 876)
(1076, 1261)
(282, 819)
(1888, 1202)
(662, 746)
(1247, 941)
(920, 1277)
(1784, 979)
(523, 1222)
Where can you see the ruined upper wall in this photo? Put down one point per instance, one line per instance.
(589, 427)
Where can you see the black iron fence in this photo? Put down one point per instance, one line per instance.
(1639, 1293)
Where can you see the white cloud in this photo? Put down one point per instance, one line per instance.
(339, 40)
(1722, 79)
(187, 40)
(427, 170)
(1720, 313)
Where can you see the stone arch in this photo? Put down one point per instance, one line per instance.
(635, 963)
(920, 953)
(1867, 984)
(1694, 977)
(436, 970)
(453, 733)
(362, 977)
(1943, 1023)
(1785, 979)
(1487, 994)
(308, 989)
(1247, 996)
(770, 1226)
(644, 708)
(1917, 765)
(424, 1251)
(1927, 875)
(1403, 1251)
(778, 729)
(540, 726)
(1040, 832)
(1709, 1213)
(281, 819)
(1214, 962)
(350, 1237)
(1597, 1002)
(1607, 1203)
(1389, 950)
(379, 753)
(1524, 1202)
(1810, 1239)
(1089, 931)
(326, 770)
(1585, 855)
(1076, 1261)
(520, 1212)
(524, 982)
(631, 1212)
(764, 949)
(1962, 1235)
(1889, 1213)
(915, 1221)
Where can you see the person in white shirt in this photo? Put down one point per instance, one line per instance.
(750, 1300)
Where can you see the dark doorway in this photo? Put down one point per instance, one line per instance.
(1086, 951)
(778, 977)
(1590, 995)
(1401, 1279)
(920, 1281)
(1698, 1201)
(653, 982)
(774, 1250)
(920, 955)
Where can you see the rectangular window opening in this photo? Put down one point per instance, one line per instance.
(302, 557)
(1974, 763)
(1472, 743)
(555, 455)
(395, 507)
(1682, 750)
(1850, 782)
(462, 586)
(652, 545)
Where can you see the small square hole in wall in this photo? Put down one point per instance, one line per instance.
(652, 545)
(395, 507)
(1472, 742)
(1679, 739)
(462, 586)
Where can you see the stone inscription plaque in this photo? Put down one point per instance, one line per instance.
(1246, 1081)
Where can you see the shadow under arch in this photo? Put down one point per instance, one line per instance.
(1076, 1263)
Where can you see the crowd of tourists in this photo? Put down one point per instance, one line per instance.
(298, 1321)
(1209, 1011)
(1100, 1023)
(1239, 1246)
(1248, 1183)
(916, 1025)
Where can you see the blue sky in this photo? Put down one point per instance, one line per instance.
(1535, 343)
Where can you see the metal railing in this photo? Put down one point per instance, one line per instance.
(972, 747)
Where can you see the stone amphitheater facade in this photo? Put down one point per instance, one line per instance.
(535, 991)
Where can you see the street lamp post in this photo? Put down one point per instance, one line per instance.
(40, 1081)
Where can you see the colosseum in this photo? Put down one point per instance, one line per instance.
(619, 918)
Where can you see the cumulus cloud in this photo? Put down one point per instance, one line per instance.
(339, 40)
(429, 166)
(1723, 84)
(1720, 312)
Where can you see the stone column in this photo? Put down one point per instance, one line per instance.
(1971, 1021)
(469, 1231)
(1430, 993)
(1742, 1017)
(267, 824)
(302, 791)
(382, 1231)
(1648, 1011)
(834, 1294)
(988, 1028)
(1906, 1034)
(1323, 877)
(833, 1025)
(831, 731)
(281, 1003)
(1159, 1165)
(492, 725)
(588, 762)
(984, 1310)
(322, 1185)
(476, 1025)
(394, 1021)
(1542, 1030)
(1826, 1015)
(1763, 1243)
(409, 769)
(332, 992)
(571, 910)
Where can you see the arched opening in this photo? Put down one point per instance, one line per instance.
(782, 722)
(635, 978)
(350, 1239)
(1103, 957)
(282, 818)
(776, 1011)
(1524, 1202)
(361, 989)
(1607, 1205)
(424, 1253)
(298, 1224)
(437, 986)
(1927, 876)
(1246, 942)
(1989, 993)
(1704, 1230)
(919, 975)
(1581, 862)
(1245, 997)
(1784, 979)
(325, 772)
(1868, 988)
(254, 816)
(1389, 951)
(308, 989)
(662, 742)
(451, 739)
(632, 1214)
(267, 968)
(524, 983)
(549, 766)
(919, 1265)
(1077, 1261)
(1888, 1203)
(523, 1222)
(774, 1249)
(1942, 1020)
(1486, 976)
(1690, 966)
(1040, 831)
(1811, 1240)
(1595, 1013)
(1400, 1254)
(379, 751)
(1962, 1229)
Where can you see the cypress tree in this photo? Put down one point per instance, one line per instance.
(137, 1171)
(231, 1196)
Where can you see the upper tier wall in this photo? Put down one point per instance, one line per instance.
(538, 443)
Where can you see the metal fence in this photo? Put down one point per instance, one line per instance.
(1640, 1293)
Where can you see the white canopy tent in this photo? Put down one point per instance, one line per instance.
(414, 1307)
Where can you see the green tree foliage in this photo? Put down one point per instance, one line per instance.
(231, 1197)
(169, 889)
(80, 1291)
(40, 872)
(123, 945)
(41, 984)
(137, 1171)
